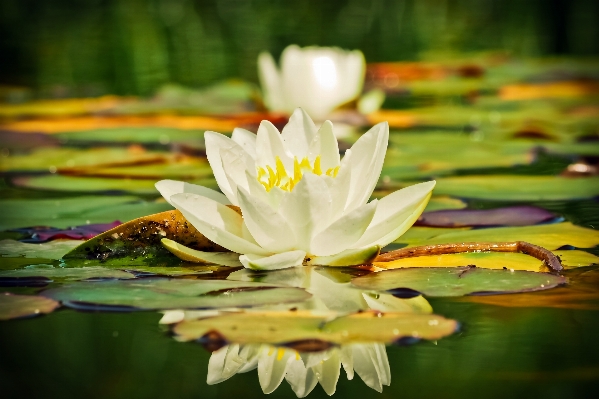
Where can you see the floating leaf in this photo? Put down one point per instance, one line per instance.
(137, 135)
(518, 188)
(163, 293)
(291, 327)
(17, 306)
(172, 271)
(138, 242)
(459, 281)
(49, 250)
(191, 255)
(493, 260)
(75, 211)
(509, 216)
(92, 184)
(550, 236)
(20, 277)
(42, 234)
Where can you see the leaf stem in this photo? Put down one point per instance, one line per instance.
(535, 251)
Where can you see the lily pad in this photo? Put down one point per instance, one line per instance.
(20, 277)
(65, 212)
(18, 306)
(172, 271)
(509, 216)
(519, 188)
(163, 293)
(42, 233)
(551, 236)
(459, 281)
(493, 260)
(288, 328)
(138, 135)
(49, 250)
(138, 242)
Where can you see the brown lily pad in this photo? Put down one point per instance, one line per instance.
(18, 306)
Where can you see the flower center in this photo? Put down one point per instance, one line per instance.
(278, 177)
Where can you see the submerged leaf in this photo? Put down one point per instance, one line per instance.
(16, 306)
(288, 328)
(459, 281)
(50, 250)
(20, 277)
(163, 293)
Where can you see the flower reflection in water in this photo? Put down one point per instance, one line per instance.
(302, 370)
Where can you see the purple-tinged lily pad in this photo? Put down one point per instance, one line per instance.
(458, 281)
(18, 306)
(38, 234)
(508, 216)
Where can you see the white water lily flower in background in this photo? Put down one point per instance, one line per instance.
(317, 79)
(302, 370)
(299, 202)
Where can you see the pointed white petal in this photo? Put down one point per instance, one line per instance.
(246, 139)
(329, 373)
(238, 167)
(270, 80)
(272, 367)
(396, 213)
(223, 364)
(167, 188)
(344, 232)
(365, 366)
(217, 222)
(192, 255)
(325, 144)
(390, 303)
(252, 354)
(281, 260)
(340, 187)
(299, 133)
(368, 154)
(382, 363)
(349, 257)
(307, 208)
(269, 145)
(301, 379)
(347, 360)
(270, 230)
(172, 316)
(215, 144)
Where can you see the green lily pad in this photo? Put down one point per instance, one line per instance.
(138, 242)
(493, 260)
(518, 188)
(283, 328)
(75, 211)
(49, 250)
(192, 169)
(163, 293)
(139, 135)
(173, 271)
(550, 236)
(17, 306)
(93, 184)
(66, 274)
(459, 281)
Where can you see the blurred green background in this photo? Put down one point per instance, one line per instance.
(72, 48)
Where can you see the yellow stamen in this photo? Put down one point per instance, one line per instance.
(317, 170)
(279, 176)
(280, 353)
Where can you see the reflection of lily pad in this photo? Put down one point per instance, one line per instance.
(172, 271)
(518, 188)
(163, 293)
(459, 281)
(551, 236)
(93, 184)
(75, 211)
(16, 306)
(493, 260)
(62, 274)
(508, 216)
(48, 250)
(293, 327)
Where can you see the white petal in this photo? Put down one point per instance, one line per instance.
(269, 146)
(172, 316)
(270, 230)
(281, 260)
(246, 139)
(252, 354)
(368, 154)
(238, 167)
(270, 80)
(168, 188)
(299, 133)
(382, 363)
(340, 187)
(325, 144)
(347, 360)
(307, 208)
(223, 364)
(301, 379)
(329, 373)
(272, 367)
(215, 143)
(365, 365)
(349, 257)
(344, 232)
(192, 255)
(217, 222)
(390, 303)
(396, 213)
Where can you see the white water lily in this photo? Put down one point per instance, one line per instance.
(317, 79)
(302, 370)
(299, 202)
